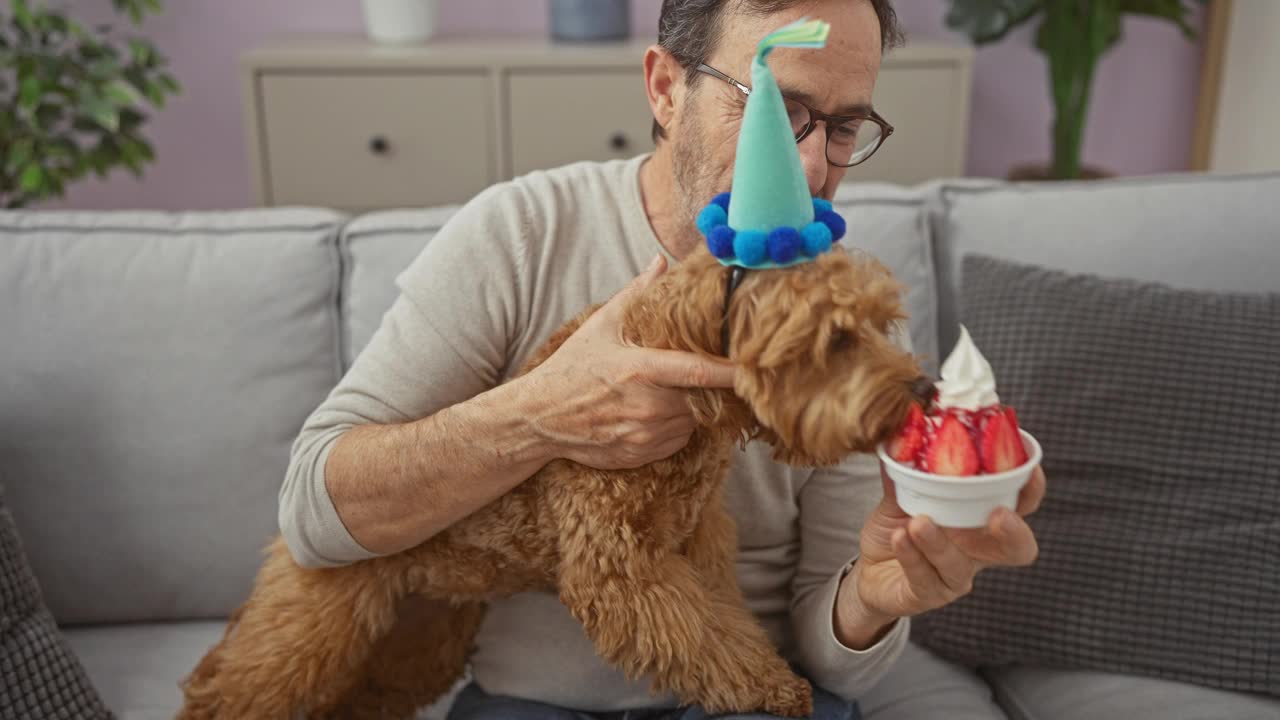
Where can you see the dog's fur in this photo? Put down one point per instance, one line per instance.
(644, 558)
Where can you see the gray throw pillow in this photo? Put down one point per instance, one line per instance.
(1159, 413)
(39, 675)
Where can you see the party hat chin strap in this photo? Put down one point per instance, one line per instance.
(736, 275)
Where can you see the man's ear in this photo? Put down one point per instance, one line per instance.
(662, 77)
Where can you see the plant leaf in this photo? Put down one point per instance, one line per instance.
(20, 153)
(32, 179)
(141, 52)
(22, 15)
(30, 92)
(121, 94)
(101, 111)
(987, 21)
(155, 94)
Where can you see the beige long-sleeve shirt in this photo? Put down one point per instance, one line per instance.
(506, 271)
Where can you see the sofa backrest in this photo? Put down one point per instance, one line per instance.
(1195, 231)
(154, 370)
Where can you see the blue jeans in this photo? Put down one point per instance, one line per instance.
(475, 704)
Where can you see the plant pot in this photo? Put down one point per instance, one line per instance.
(398, 22)
(1037, 172)
(590, 20)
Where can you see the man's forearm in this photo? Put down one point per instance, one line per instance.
(856, 627)
(395, 486)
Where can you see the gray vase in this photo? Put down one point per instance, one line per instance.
(579, 20)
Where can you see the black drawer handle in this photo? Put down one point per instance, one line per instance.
(379, 145)
(618, 141)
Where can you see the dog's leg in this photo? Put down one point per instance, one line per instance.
(648, 611)
(416, 663)
(712, 548)
(299, 641)
(713, 545)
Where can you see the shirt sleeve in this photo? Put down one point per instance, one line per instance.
(445, 339)
(834, 503)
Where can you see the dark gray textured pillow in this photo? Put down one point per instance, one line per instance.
(1159, 413)
(39, 675)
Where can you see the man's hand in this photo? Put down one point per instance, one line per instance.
(910, 565)
(606, 404)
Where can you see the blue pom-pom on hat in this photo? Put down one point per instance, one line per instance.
(750, 247)
(817, 238)
(833, 220)
(720, 241)
(821, 205)
(722, 200)
(784, 245)
(711, 216)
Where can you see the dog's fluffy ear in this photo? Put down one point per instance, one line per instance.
(684, 310)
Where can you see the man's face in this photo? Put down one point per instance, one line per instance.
(835, 80)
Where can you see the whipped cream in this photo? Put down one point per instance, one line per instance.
(967, 381)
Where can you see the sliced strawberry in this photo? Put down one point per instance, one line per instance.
(1013, 417)
(1000, 444)
(908, 443)
(952, 451)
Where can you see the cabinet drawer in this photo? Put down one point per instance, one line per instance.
(557, 117)
(360, 141)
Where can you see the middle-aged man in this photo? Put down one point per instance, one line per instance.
(423, 430)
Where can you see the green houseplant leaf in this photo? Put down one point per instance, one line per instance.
(73, 97)
(988, 21)
(1073, 35)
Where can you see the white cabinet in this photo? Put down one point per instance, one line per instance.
(346, 124)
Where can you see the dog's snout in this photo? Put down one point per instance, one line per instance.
(923, 388)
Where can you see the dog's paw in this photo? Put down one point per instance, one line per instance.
(791, 697)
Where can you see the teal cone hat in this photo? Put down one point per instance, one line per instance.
(769, 220)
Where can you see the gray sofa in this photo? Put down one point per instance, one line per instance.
(154, 369)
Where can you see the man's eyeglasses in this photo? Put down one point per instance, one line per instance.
(851, 139)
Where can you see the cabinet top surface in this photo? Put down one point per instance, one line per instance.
(314, 51)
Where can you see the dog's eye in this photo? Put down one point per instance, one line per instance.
(841, 340)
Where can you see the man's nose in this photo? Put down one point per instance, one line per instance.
(813, 157)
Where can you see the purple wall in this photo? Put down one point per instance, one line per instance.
(1141, 122)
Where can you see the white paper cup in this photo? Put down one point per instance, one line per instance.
(960, 502)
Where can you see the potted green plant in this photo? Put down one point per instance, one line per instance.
(73, 100)
(1073, 35)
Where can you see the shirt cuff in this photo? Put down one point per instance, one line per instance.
(897, 634)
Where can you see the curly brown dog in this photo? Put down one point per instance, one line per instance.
(644, 558)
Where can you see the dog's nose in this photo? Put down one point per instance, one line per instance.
(923, 388)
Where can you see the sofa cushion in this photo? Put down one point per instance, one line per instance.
(889, 222)
(138, 666)
(1159, 413)
(1203, 232)
(155, 369)
(1042, 694)
(922, 686)
(885, 220)
(39, 674)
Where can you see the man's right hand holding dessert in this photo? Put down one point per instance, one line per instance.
(909, 565)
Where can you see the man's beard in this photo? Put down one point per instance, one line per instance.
(695, 177)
